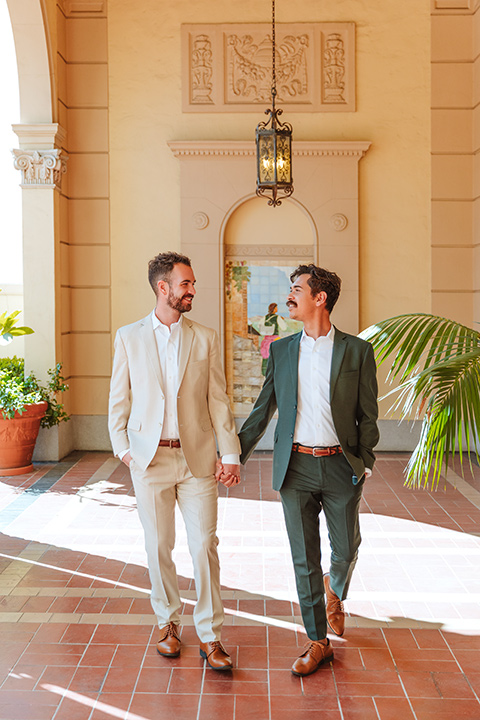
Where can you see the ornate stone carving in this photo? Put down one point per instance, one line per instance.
(334, 69)
(268, 251)
(200, 220)
(338, 222)
(40, 168)
(250, 68)
(228, 67)
(201, 71)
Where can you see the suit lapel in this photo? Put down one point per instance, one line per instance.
(339, 347)
(148, 338)
(293, 353)
(185, 347)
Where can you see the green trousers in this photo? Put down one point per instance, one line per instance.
(312, 484)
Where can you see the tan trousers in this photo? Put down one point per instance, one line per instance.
(167, 480)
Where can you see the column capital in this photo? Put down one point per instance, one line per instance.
(41, 168)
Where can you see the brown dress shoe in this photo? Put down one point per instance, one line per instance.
(334, 608)
(316, 652)
(168, 644)
(216, 655)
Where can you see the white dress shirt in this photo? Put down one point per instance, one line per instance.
(168, 340)
(314, 425)
(168, 348)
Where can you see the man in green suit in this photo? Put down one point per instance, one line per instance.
(323, 384)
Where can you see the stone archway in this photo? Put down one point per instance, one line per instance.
(41, 162)
(218, 176)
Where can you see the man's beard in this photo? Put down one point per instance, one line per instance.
(178, 303)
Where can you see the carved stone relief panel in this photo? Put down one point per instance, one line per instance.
(228, 68)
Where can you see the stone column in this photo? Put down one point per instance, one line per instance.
(42, 164)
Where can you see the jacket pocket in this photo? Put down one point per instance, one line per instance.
(134, 424)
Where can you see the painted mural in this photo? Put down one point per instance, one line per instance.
(256, 316)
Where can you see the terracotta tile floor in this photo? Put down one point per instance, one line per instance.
(78, 636)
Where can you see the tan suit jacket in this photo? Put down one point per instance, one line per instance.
(137, 400)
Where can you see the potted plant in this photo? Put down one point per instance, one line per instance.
(25, 404)
(436, 363)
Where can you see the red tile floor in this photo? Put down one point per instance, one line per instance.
(77, 635)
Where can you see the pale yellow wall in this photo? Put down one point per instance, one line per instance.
(393, 111)
(84, 210)
(455, 165)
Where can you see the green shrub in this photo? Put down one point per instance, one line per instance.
(18, 391)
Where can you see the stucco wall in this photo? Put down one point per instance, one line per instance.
(393, 105)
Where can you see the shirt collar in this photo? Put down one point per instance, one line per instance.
(309, 341)
(164, 329)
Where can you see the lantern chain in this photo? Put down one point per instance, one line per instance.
(274, 76)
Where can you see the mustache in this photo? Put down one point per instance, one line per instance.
(291, 303)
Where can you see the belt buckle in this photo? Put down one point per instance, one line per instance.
(317, 454)
(170, 443)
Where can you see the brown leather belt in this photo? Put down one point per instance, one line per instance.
(317, 451)
(169, 443)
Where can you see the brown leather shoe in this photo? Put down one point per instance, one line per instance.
(216, 655)
(316, 652)
(335, 610)
(169, 643)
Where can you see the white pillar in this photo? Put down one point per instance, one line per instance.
(42, 164)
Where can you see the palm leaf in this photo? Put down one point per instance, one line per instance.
(437, 364)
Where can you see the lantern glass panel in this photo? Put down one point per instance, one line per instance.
(284, 164)
(266, 157)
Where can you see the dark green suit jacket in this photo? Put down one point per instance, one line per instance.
(353, 399)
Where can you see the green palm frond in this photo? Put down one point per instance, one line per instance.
(437, 364)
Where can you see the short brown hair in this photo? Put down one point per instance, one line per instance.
(320, 279)
(160, 267)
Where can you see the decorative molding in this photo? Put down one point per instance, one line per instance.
(338, 222)
(201, 148)
(41, 168)
(200, 220)
(268, 251)
(228, 68)
(84, 8)
(40, 136)
(463, 7)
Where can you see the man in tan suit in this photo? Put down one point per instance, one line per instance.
(167, 404)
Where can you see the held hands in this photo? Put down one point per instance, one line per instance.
(228, 475)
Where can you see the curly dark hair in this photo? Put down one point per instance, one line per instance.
(161, 266)
(320, 279)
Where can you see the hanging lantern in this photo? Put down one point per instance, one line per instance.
(274, 147)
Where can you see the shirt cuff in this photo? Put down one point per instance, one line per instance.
(231, 459)
(122, 454)
(368, 473)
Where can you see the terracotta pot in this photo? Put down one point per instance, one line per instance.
(17, 440)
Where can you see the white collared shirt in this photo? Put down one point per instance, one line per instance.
(168, 347)
(314, 425)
